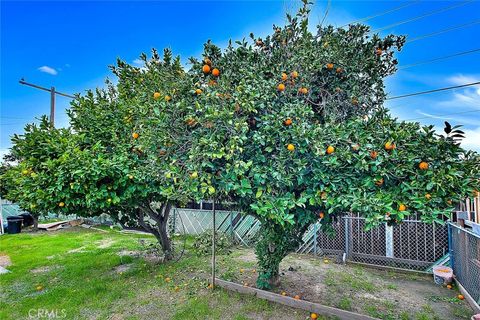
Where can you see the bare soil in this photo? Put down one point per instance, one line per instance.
(378, 293)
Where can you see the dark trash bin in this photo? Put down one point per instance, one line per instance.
(14, 224)
(27, 219)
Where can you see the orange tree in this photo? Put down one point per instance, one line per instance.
(126, 153)
(293, 129)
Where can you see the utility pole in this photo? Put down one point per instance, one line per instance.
(53, 92)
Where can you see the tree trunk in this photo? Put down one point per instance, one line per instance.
(35, 223)
(275, 243)
(165, 241)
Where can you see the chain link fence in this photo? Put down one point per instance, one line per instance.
(465, 259)
(412, 245)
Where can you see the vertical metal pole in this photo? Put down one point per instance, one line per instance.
(231, 226)
(450, 246)
(388, 241)
(315, 238)
(347, 247)
(213, 246)
(52, 106)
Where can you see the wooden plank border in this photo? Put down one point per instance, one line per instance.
(288, 301)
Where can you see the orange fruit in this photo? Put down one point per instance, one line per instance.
(206, 69)
(460, 297)
(156, 95)
(329, 66)
(290, 147)
(168, 98)
(198, 91)
(313, 316)
(215, 72)
(402, 207)
(323, 195)
(339, 70)
(167, 279)
(61, 204)
(283, 293)
(207, 61)
(135, 135)
(379, 182)
(373, 154)
(284, 76)
(297, 297)
(210, 286)
(321, 215)
(294, 74)
(303, 90)
(449, 286)
(428, 196)
(389, 145)
(281, 87)
(287, 122)
(423, 165)
(330, 150)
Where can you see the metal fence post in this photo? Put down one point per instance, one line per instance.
(450, 246)
(347, 247)
(315, 239)
(232, 234)
(388, 241)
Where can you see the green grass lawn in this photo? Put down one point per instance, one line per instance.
(79, 273)
(103, 274)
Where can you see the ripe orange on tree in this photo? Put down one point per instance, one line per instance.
(373, 154)
(281, 87)
(290, 147)
(389, 145)
(156, 95)
(330, 149)
(294, 74)
(460, 297)
(206, 69)
(287, 122)
(329, 66)
(303, 90)
(428, 196)
(215, 72)
(198, 91)
(402, 207)
(135, 135)
(168, 98)
(321, 215)
(423, 165)
(61, 204)
(284, 76)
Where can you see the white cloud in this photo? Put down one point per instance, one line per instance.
(472, 139)
(138, 62)
(48, 70)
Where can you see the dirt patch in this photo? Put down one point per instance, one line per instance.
(123, 268)
(5, 260)
(45, 269)
(104, 244)
(377, 293)
(77, 250)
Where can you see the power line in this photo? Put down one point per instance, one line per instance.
(435, 90)
(443, 31)
(430, 13)
(438, 59)
(443, 115)
(381, 13)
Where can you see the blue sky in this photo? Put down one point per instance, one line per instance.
(70, 44)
